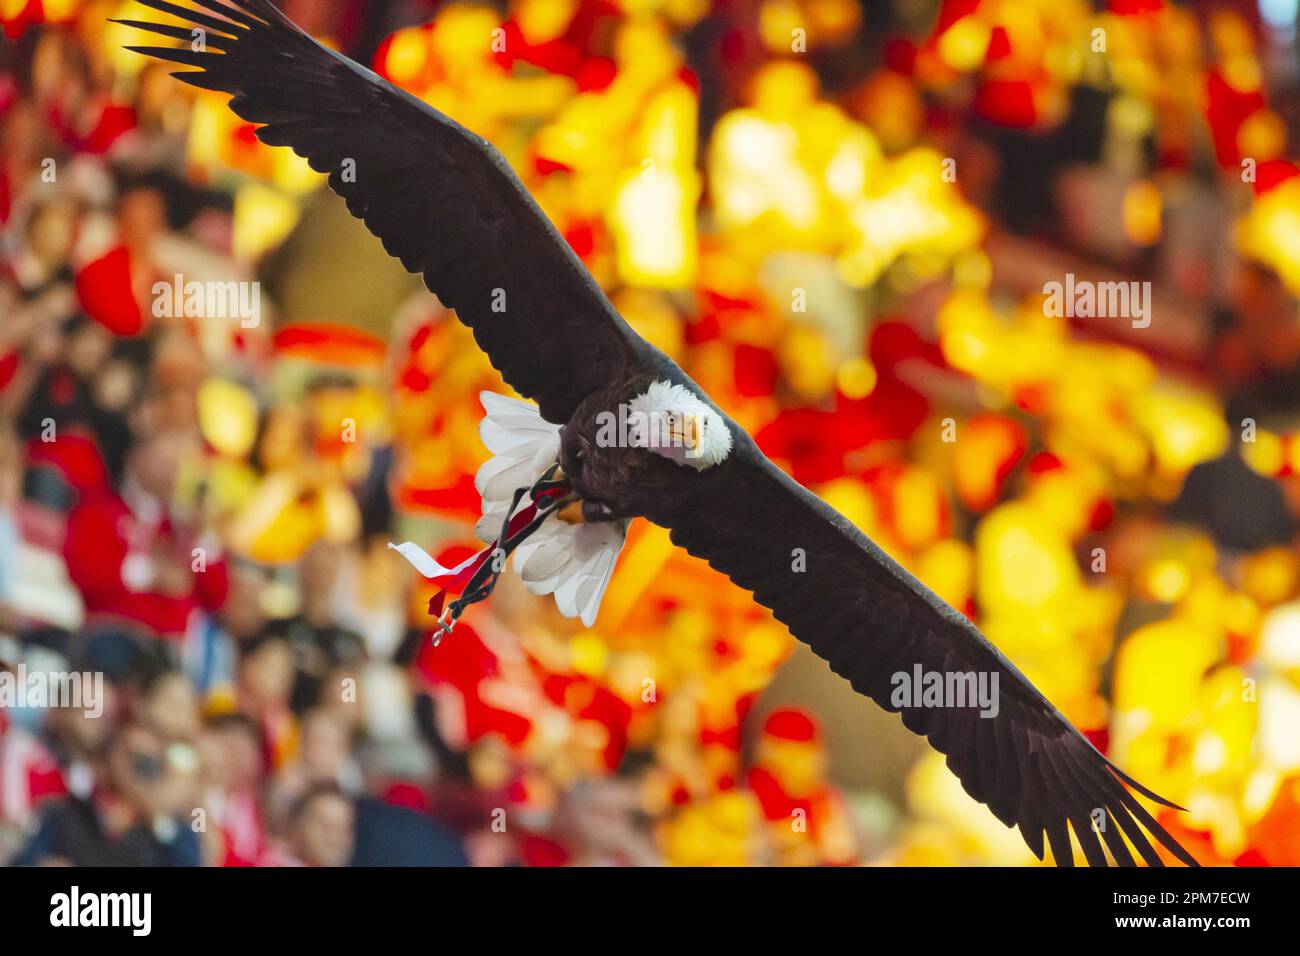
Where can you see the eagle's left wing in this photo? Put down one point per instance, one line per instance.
(441, 198)
(838, 592)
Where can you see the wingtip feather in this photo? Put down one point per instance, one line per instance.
(1133, 784)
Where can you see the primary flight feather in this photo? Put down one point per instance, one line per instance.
(568, 474)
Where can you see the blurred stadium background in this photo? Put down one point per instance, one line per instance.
(839, 218)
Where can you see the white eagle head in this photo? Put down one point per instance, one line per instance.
(670, 420)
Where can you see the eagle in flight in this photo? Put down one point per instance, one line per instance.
(619, 431)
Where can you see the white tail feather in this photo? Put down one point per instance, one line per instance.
(573, 562)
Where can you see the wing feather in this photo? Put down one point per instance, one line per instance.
(440, 198)
(872, 621)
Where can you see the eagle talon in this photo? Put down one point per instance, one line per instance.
(571, 513)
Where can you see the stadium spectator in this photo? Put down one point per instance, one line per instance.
(131, 819)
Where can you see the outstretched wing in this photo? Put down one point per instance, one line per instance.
(441, 199)
(871, 620)
(447, 205)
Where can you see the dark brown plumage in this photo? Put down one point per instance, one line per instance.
(446, 204)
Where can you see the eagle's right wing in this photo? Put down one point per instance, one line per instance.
(441, 199)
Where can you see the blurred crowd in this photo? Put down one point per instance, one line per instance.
(230, 731)
(839, 219)
(253, 713)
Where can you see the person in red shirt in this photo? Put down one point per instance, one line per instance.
(28, 776)
(129, 559)
(808, 820)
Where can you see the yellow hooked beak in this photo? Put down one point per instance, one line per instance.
(686, 431)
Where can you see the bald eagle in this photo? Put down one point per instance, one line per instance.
(619, 432)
